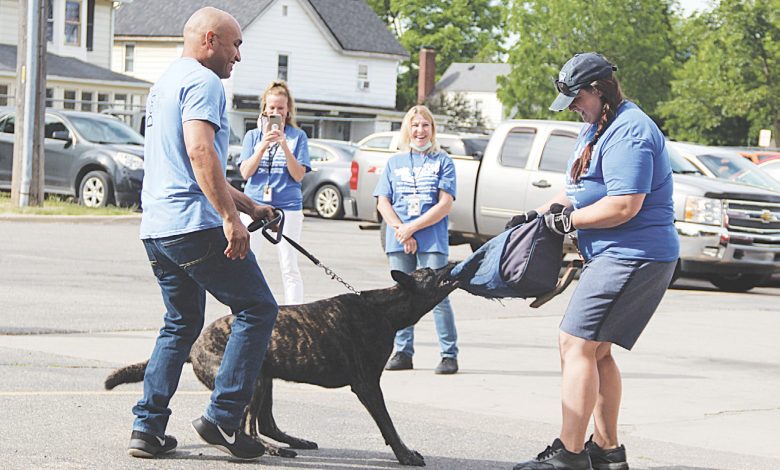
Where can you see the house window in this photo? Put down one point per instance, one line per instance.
(49, 97)
(362, 77)
(90, 24)
(73, 22)
(3, 95)
(282, 67)
(120, 101)
(50, 20)
(69, 99)
(102, 101)
(129, 57)
(86, 101)
(284, 10)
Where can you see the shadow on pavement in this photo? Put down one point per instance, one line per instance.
(332, 459)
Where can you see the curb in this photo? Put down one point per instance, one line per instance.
(89, 219)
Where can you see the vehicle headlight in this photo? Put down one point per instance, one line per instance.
(703, 210)
(130, 161)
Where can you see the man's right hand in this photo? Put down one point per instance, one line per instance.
(237, 236)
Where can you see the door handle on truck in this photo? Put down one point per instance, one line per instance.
(541, 184)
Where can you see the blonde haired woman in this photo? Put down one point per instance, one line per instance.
(415, 194)
(274, 160)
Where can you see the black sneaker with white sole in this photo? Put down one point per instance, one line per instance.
(147, 446)
(606, 459)
(556, 457)
(235, 443)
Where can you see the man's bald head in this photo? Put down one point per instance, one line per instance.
(207, 19)
(212, 37)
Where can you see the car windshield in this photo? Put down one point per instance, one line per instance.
(345, 148)
(737, 168)
(679, 164)
(102, 130)
(474, 145)
(234, 139)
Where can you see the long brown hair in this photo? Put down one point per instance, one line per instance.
(611, 97)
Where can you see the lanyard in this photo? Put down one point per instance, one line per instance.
(414, 177)
(271, 154)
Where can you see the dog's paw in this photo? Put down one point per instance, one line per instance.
(276, 451)
(298, 443)
(413, 458)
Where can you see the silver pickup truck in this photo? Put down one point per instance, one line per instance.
(729, 233)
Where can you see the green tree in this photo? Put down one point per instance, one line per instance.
(460, 115)
(634, 34)
(459, 30)
(727, 85)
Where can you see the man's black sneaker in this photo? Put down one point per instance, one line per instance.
(235, 443)
(556, 457)
(606, 459)
(399, 361)
(147, 446)
(448, 365)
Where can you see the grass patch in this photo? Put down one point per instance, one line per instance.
(60, 205)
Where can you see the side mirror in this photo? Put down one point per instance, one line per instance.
(61, 135)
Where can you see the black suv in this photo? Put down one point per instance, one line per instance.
(93, 157)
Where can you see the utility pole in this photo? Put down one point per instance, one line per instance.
(27, 178)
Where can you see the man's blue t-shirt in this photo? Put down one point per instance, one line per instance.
(630, 158)
(410, 173)
(172, 201)
(286, 192)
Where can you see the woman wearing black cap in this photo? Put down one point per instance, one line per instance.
(619, 200)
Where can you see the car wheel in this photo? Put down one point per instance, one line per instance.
(328, 202)
(96, 189)
(737, 282)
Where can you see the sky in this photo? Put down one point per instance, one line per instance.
(691, 6)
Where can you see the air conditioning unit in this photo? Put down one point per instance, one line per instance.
(363, 84)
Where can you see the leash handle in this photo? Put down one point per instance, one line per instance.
(266, 224)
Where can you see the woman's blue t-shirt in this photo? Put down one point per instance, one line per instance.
(410, 173)
(286, 192)
(630, 158)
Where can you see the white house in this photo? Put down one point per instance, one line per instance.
(79, 42)
(337, 56)
(477, 83)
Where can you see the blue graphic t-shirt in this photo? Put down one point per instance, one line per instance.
(272, 170)
(172, 201)
(409, 174)
(630, 158)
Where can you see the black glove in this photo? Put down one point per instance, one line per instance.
(521, 219)
(558, 219)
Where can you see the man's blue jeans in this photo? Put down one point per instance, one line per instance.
(443, 316)
(187, 266)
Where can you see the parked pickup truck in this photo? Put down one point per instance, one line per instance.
(729, 232)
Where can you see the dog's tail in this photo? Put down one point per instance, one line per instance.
(126, 375)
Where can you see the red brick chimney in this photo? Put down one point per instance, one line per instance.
(426, 78)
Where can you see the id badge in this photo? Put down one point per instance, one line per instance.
(413, 205)
(268, 193)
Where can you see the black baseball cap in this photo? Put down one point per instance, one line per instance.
(581, 70)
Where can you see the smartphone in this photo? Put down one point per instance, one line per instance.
(275, 122)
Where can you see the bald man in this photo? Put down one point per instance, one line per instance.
(196, 242)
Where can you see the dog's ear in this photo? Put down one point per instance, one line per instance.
(406, 281)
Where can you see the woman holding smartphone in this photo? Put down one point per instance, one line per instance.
(273, 161)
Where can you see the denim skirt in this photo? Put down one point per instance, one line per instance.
(615, 298)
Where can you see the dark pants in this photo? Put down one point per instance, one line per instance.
(187, 266)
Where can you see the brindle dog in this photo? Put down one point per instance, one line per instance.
(340, 341)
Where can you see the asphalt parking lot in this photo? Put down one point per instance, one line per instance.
(77, 299)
